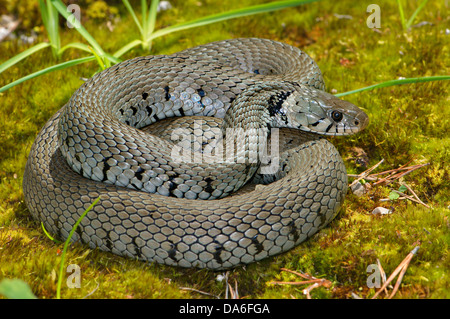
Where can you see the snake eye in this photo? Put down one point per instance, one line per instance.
(336, 116)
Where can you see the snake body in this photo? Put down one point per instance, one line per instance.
(185, 213)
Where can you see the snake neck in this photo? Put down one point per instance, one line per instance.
(255, 108)
(248, 121)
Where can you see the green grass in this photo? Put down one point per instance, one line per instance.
(407, 122)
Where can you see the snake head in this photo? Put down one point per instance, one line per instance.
(319, 112)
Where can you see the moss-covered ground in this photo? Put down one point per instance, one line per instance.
(407, 123)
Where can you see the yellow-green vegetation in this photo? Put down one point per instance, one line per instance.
(408, 123)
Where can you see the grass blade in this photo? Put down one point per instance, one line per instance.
(126, 48)
(99, 59)
(66, 245)
(53, 28)
(112, 59)
(273, 6)
(75, 45)
(151, 19)
(47, 70)
(402, 14)
(9, 63)
(49, 16)
(419, 8)
(144, 17)
(133, 15)
(44, 13)
(48, 235)
(397, 82)
(63, 11)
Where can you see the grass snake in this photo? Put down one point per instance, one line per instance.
(114, 139)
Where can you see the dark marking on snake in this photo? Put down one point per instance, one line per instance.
(172, 184)
(81, 170)
(139, 173)
(58, 233)
(135, 186)
(208, 187)
(109, 242)
(167, 95)
(219, 248)
(322, 217)
(137, 249)
(106, 167)
(259, 247)
(149, 110)
(144, 95)
(201, 92)
(134, 110)
(318, 122)
(276, 102)
(293, 231)
(79, 231)
(172, 252)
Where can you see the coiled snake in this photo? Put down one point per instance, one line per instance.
(157, 207)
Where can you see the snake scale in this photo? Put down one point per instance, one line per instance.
(158, 208)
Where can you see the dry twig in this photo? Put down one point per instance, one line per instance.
(414, 194)
(411, 198)
(397, 173)
(393, 174)
(366, 173)
(316, 282)
(401, 268)
(234, 293)
(383, 274)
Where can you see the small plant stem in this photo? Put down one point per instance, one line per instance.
(63, 11)
(9, 63)
(150, 23)
(402, 15)
(66, 245)
(419, 8)
(47, 70)
(50, 18)
(267, 7)
(397, 82)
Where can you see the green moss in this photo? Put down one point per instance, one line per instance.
(408, 123)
